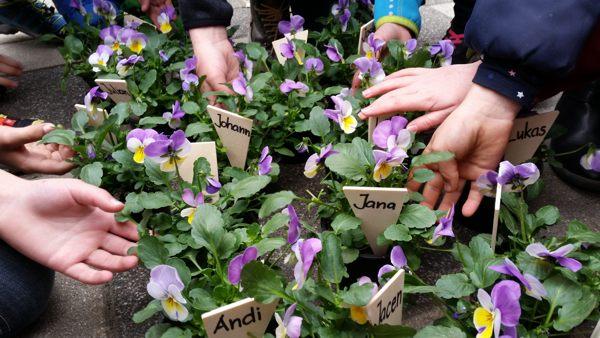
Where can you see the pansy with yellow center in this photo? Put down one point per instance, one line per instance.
(193, 201)
(134, 40)
(166, 286)
(358, 313)
(137, 141)
(110, 36)
(372, 46)
(386, 161)
(164, 19)
(499, 311)
(100, 58)
(342, 114)
(315, 161)
(169, 152)
(289, 326)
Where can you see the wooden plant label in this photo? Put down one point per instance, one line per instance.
(364, 35)
(302, 35)
(374, 121)
(234, 131)
(127, 18)
(244, 318)
(386, 306)
(208, 150)
(496, 216)
(526, 136)
(116, 89)
(377, 208)
(96, 118)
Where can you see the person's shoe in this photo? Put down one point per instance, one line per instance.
(266, 15)
(7, 29)
(462, 54)
(580, 117)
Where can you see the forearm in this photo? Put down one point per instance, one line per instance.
(205, 13)
(490, 104)
(9, 195)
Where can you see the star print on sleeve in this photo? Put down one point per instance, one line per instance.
(520, 95)
(512, 73)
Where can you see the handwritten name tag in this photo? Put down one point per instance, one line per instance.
(116, 89)
(96, 118)
(364, 34)
(234, 131)
(526, 136)
(377, 208)
(386, 306)
(129, 18)
(207, 150)
(302, 35)
(245, 318)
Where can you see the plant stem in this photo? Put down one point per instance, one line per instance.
(574, 151)
(433, 249)
(550, 313)
(524, 234)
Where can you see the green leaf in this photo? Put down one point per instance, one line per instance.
(190, 107)
(73, 44)
(175, 332)
(202, 300)
(269, 244)
(275, 223)
(60, 136)
(154, 173)
(562, 291)
(332, 264)
(274, 202)
(454, 286)
(358, 295)
(154, 200)
(123, 157)
(397, 233)
(148, 80)
(580, 232)
(352, 159)
(572, 314)
(417, 216)
(434, 157)
(319, 123)
(151, 251)
(539, 268)
(548, 214)
(481, 275)
(440, 332)
(391, 331)
(197, 128)
(79, 120)
(259, 81)
(423, 175)
(408, 289)
(248, 186)
(151, 121)
(157, 330)
(262, 282)
(208, 231)
(345, 222)
(152, 308)
(92, 173)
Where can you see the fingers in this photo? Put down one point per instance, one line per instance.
(408, 72)
(49, 166)
(104, 260)
(428, 121)
(11, 62)
(116, 245)
(449, 172)
(386, 86)
(399, 100)
(127, 230)
(8, 83)
(356, 83)
(432, 191)
(145, 4)
(85, 274)
(450, 198)
(10, 70)
(89, 195)
(16, 137)
(473, 201)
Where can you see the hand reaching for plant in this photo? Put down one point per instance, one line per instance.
(19, 149)
(9, 67)
(386, 32)
(153, 8)
(215, 57)
(477, 132)
(66, 225)
(436, 91)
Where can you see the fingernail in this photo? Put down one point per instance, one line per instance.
(365, 111)
(448, 187)
(362, 116)
(367, 93)
(116, 202)
(411, 127)
(48, 127)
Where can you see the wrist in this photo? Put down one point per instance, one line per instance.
(10, 198)
(207, 34)
(393, 31)
(487, 103)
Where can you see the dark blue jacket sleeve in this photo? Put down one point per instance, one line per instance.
(203, 13)
(525, 43)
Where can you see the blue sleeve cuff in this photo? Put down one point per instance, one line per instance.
(403, 12)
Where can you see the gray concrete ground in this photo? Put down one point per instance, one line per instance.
(76, 310)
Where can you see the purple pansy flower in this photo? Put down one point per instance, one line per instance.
(291, 27)
(342, 114)
(487, 183)
(174, 116)
(169, 152)
(236, 265)
(370, 70)
(99, 59)
(166, 15)
(333, 53)
(538, 250)
(289, 51)
(138, 140)
(591, 160)
(105, 9)
(366, 280)
(443, 49)
(187, 76)
(163, 56)
(516, 178)
(111, 37)
(213, 185)
(93, 97)
(124, 65)
(289, 326)
(314, 65)
(315, 161)
(301, 148)
(501, 309)
(305, 251)
(134, 40)
(289, 85)
(293, 225)
(90, 151)
(241, 87)
(78, 6)
(386, 161)
(166, 286)
(372, 46)
(245, 62)
(444, 227)
(264, 163)
(342, 13)
(193, 201)
(409, 47)
(533, 287)
(392, 133)
(398, 259)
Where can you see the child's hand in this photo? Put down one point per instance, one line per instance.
(435, 91)
(19, 149)
(66, 225)
(9, 67)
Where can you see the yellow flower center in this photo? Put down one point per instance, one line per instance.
(136, 46)
(482, 318)
(165, 27)
(138, 156)
(358, 314)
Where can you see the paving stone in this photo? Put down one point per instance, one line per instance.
(32, 54)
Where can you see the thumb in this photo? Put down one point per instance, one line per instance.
(89, 195)
(145, 4)
(428, 121)
(10, 136)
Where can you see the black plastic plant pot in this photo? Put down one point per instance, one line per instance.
(367, 264)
